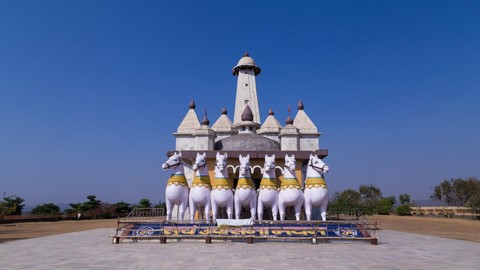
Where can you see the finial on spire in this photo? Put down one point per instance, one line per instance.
(224, 110)
(245, 54)
(289, 118)
(247, 114)
(300, 105)
(192, 105)
(270, 112)
(205, 121)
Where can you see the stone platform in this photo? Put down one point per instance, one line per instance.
(94, 250)
(314, 231)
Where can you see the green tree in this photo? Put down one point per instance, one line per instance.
(456, 191)
(385, 205)
(370, 196)
(347, 199)
(86, 206)
(404, 198)
(122, 207)
(143, 203)
(474, 203)
(46, 209)
(14, 204)
(404, 210)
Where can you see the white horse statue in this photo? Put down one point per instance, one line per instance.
(269, 187)
(176, 192)
(290, 190)
(245, 195)
(201, 187)
(222, 188)
(316, 193)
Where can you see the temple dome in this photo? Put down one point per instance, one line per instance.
(246, 62)
(247, 142)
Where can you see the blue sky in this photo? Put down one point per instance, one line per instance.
(91, 91)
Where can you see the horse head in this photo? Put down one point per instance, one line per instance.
(317, 164)
(200, 162)
(173, 161)
(221, 162)
(244, 164)
(269, 163)
(290, 163)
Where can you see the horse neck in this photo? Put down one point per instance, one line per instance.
(244, 175)
(270, 174)
(313, 173)
(202, 172)
(219, 174)
(287, 173)
(179, 170)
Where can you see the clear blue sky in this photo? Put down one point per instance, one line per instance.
(91, 91)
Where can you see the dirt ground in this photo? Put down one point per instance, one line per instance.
(443, 227)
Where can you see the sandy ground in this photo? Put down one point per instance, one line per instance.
(443, 227)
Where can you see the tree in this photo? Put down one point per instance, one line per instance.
(370, 196)
(456, 191)
(404, 209)
(13, 204)
(474, 203)
(86, 206)
(384, 205)
(347, 199)
(122, 207)
(143, 203)
(46, 209)
(404, 198)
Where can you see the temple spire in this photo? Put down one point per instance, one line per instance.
(246, 70)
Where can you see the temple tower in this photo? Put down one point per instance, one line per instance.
(246, 70)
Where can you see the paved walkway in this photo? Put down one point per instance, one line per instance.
(94, 250)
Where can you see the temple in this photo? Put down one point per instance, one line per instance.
(247, 135)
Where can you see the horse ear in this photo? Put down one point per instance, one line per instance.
(286, 156)
(293, 155)
(218, 154)
(204, 154)
(266, 156)
(226, 155)
(248, 156)
(240, 156)
(273, 156)
(179, 154)
(311, 156)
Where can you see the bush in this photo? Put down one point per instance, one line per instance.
(46, 209)
(404, 210)
(385, 205)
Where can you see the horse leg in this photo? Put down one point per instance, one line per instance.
(238, 207)
(275, 209)
(281, 209)
(208, 207)
(323, 208)
(253, 205)
(308, 205)
(214, 208)
(298, 208)
(192, 207)
(230, 208)
(169, 210)
(183, 204)
(260, 209)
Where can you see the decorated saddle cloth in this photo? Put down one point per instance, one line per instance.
(221, 183)
(315, 182)
(177, 180)
(269, 183)
(245, 183)
(290, 183)
(201, 181)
